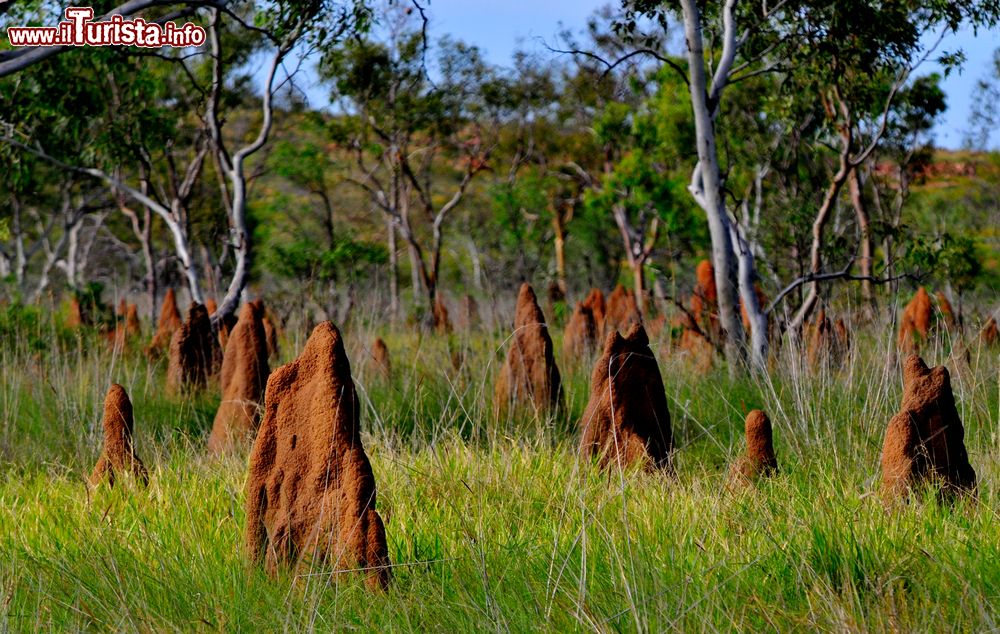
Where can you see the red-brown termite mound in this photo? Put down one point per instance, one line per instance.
(946, 310)
(194, 352)
(310, 494)
(127, 327)
(759, 460)
(828, 342)
(705, 298)
(915, 324)
(595, 302)
(380, 356)
(581, 333)
(626, 421)
(529, 376)
(270, 330)
(925, 440)
(170, 322)
(118, 458)
(622, 311)
(244, 375)
(700, 327)
(75, 318)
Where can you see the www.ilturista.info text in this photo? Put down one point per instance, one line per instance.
(79, 29)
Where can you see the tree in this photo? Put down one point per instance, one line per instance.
(418, 143)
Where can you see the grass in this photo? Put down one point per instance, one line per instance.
(497, 525)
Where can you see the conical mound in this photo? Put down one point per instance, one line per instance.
(194, 352)
(244, 375)
(529, 376)
(170, 322)
(595, 302)
(622, 310)
(311, 494)
(759, 460)
(946, 310)
(580, 337)
(118, 458)
(925, 439)
(627, 421)
(915, 324)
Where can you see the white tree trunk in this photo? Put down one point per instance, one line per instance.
(706, 185)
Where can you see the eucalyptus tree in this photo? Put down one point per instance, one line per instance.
(214, 77)
(418, 139)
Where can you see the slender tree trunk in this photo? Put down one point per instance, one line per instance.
(819, 225)
(390, 230)
(415, 265)
(477, 265)
(759, 344)
(865, 238)
(706, 183)
(559, 230)
(639, 281)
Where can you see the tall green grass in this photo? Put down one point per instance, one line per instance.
(496, 525)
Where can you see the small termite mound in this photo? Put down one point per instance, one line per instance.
(627, 421)
(759, 460)
(925, 440)
(118, 458)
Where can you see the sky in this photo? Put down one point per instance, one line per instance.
(499, 27)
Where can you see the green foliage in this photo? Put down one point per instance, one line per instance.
(947, 259)
(306, 260)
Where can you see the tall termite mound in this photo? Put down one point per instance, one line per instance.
(118, 458)
(529, 376)
(705, 298)
(627, 421)
(194, 352)
(947, 311)
(270, 330)
(759, 459)
(700, 326)
(380, 356)
(622, 311)
(595, 302)
(925, 439)
(244, 375)
(915, 323)
(169, 323)
(75, 317)
(580, 336)
(310, 494)
(127, 326)
(827, 341)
